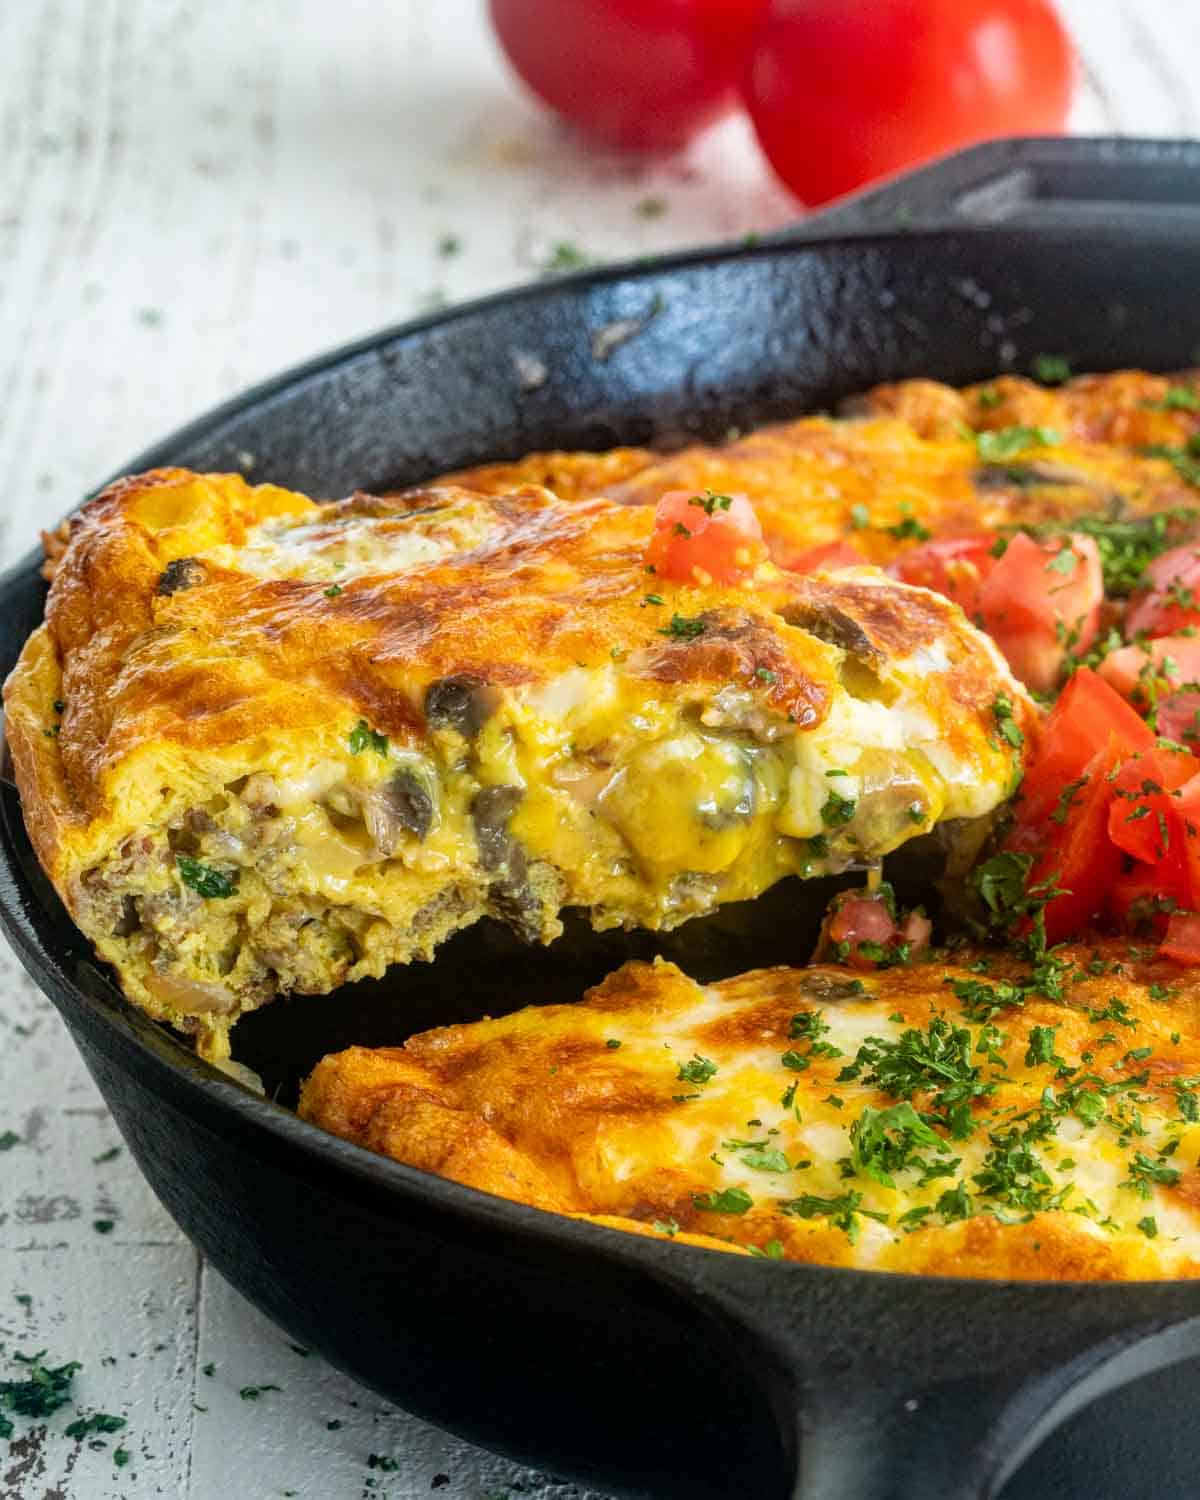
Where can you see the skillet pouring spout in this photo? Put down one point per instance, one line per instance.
(892, 1387)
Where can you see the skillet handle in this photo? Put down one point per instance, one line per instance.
(1058, 181)
(915, 1388)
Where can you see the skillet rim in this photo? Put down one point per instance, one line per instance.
(122, 1026)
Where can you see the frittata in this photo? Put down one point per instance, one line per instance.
(266, 745)
(974, 1115)
(921, 459)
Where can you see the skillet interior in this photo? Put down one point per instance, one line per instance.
(724, 341)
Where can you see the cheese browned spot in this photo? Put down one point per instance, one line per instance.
(944, 1118)
(268, 745)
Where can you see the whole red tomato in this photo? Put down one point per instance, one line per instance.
(643, 74)
(844, 91)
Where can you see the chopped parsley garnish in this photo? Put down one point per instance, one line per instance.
(883, 1141)
(1064, 562)
(612, 1043)
(980, 1001)
(764, 674)
(935, 1061)
(99, 1421)
(837, 810)
(1051, 369)
(909, 528)
(1041, 1047)
(1013, 1174)
(1007, 442)
(842, 1212)
(653, 599)
(1177, 398)
(203, 879)
(9, 1139)
(1143, 1171)
(1000, 880)
(363, 737)
(121, 1457)
(565, 256)
(733, 1200)
(1148, 1226)
(668, 1227)
(772, 1250)
(698, 1070)
(682, 628)
(769, 1160)
(1007, 726)
(709, 502)
(333, 591)
(1185, 461)
(41, 1393)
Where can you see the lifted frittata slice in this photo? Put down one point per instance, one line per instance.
(268, 745)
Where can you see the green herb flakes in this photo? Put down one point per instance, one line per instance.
(1051, 369)
(698, 1070)
(363, 737)
(733, 1200)
(1006, 442)
(204, 879)
(682, 628)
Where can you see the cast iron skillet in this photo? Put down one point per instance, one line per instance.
(646, 1368)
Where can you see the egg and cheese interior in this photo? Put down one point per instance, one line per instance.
(266, 745)
(945, 1118)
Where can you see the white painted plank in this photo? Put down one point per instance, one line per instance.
(128, 1319)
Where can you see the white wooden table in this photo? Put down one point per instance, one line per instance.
(194, 194)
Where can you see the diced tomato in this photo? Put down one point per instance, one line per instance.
(826, 556)
(1174, 659)
(1182, 942)
(1185, 841)
(705, 538)
(1079, 725)
(1040, 601)
(1142, 815)
(953, 566)
(1146, 895)
(1178, 719)
(861, 919)
(1077, 855)
(1171, 601)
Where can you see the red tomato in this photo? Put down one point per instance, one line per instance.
(1171, 659)
(826, 556)
(860, 917)
(1178, 719)
(641, 74)
(1041, 600)
(1144, 894)
(1078, 856)
(955, 567)
(843, 91)
(698, 538)
(1142, 816)
(1182, 942)
(1079, 725)
(1172, 598)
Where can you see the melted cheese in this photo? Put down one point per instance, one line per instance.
(733, 1111)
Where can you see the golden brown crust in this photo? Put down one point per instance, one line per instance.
(157, 674)
(908, 456)
(578, 1109)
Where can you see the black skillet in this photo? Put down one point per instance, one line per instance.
(645, 1368)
